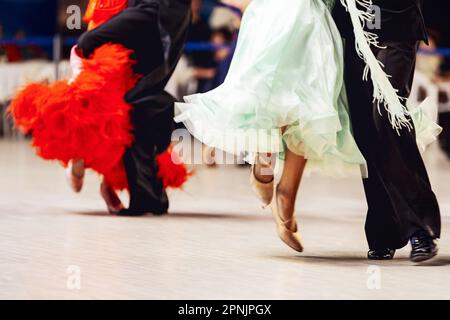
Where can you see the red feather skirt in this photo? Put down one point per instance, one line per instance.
(89, 119)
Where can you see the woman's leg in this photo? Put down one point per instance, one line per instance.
(75, 174)
(288, 186)
(283, 206)
(111, 198)
(262, 177)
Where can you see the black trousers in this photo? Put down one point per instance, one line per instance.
(153, 123)
(398, 191)
(156, 32)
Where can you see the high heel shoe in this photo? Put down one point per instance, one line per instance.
(75, 174)
(264, 191)
(287, 230)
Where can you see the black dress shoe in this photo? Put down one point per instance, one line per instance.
(423, 247)
(140, 212)
(381, 254)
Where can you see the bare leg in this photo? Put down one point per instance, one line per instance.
(289, 184)
(283, 204)
(75, 174)
(261, 178)
(111, 198)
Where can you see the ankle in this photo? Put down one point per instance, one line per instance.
(421, 234)
(286, 200)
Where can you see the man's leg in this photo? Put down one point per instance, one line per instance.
(146, 190)
(153, 125)
(398, 190)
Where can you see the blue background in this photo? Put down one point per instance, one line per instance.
(35, 17)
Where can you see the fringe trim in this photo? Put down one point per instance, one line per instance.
(384, 93)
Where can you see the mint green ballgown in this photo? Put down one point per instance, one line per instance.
(284, 88)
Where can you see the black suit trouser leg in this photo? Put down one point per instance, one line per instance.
(153, 124)
(398, 191)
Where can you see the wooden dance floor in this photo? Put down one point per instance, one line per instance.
(217, 243)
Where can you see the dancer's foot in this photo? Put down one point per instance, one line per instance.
(286, 222)
(423, 246)
(75, 174)
(381, 254)
(112, 201)
(209, 156)
(262, 181)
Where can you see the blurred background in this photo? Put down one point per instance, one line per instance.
(35, 42)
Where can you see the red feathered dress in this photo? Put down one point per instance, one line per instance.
(88, 118)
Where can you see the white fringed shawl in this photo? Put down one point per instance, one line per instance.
(384, 93)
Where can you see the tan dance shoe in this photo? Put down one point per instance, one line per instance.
(264, 191)
(287, 230)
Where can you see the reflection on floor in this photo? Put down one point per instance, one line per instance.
(216, 243)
